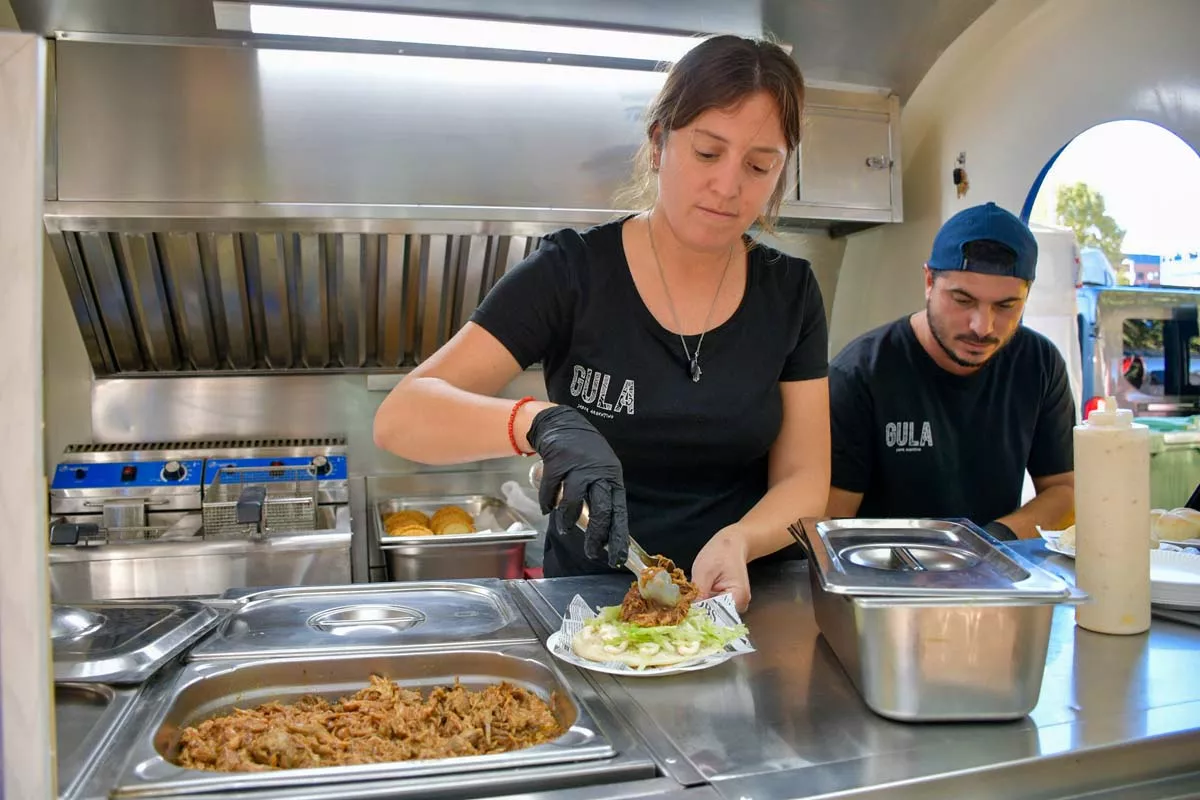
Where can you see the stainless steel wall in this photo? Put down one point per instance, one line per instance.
(224, 125)
(245, 407)
(194, 18)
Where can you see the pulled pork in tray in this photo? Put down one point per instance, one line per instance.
(640, 611)
(382, 723)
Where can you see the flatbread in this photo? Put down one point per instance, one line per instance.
(408, 516)
(409, 529)
(592, 648)
(453, 528)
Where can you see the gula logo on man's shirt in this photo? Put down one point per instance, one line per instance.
(592, 388)
(903, 437)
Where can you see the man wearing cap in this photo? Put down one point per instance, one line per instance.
(940, 413)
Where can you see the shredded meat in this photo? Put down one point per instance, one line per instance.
(381, 723)
(640, 611)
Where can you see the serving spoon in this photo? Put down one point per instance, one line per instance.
(659, 588)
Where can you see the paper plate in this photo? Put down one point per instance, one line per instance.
(720, 608)
(1175, 579)
(1053, 546)
(1174, 575)
(560, 648)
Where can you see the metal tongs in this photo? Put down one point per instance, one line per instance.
(659, 588)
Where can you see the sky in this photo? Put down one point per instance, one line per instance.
(1150, 179)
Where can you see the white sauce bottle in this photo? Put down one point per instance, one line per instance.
(1112, 521)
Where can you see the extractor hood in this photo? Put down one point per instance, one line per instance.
(220, 208)
(187, 302)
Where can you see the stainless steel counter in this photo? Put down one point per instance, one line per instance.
(785, 722)
(1118, 719)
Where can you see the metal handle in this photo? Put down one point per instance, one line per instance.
(535, 480)
(879, 162)
(250, 505)
(909, 560)
(72, 533)
(103, 503)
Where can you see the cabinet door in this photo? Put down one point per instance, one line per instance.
(846, 159)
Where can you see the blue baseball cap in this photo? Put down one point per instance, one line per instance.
(989, 223)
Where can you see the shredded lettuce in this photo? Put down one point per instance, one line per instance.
(697, 626)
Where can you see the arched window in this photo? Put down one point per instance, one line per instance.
(1147, 181)
(1130, 191)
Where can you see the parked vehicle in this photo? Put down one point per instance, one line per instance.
(1095, 268)
(1142, 346)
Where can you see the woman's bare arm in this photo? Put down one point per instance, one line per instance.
(798, 471)
(797, 486)
(445, 411)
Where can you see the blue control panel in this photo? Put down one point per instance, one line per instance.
(267, 470)
(127, 474)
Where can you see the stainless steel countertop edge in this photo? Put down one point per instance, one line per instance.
(1058, 776)
(669, 758)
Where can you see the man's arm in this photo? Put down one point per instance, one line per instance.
(1051, 460)
(850, 415)
(1052, 509)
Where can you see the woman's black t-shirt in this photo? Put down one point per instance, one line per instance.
(694, 454)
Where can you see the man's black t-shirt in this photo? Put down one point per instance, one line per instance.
(694, 455)
(918, 441)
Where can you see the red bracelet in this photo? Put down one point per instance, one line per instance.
(512, 418)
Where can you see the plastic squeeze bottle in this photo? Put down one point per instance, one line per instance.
(1112, 521)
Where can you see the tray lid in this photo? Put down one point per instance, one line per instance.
(366, 618)
(121, 641)
(923, 559)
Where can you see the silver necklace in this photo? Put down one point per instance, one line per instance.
(693, 358)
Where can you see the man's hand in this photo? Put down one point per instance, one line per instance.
(720, 567)
(1054, 503)
(1000, 531)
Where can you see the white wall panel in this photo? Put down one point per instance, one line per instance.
(1022, 81)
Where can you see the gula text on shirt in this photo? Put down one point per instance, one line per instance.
(902, 436)
(591, 387)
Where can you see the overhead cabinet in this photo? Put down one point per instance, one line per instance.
(848, 166)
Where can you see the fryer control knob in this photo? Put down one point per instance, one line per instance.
(321, 465)
(173, 471)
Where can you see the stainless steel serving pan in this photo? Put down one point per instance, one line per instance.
(966, 642)
(497, 552)
(311, 620)
(86, 717)
(203, 690)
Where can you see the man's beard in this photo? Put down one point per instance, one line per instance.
(942, 338)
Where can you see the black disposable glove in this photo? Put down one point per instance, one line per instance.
(576, 456)
(1000, 531)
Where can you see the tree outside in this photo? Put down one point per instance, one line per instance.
(1081, 208)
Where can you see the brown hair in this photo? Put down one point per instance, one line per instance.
(721, 72)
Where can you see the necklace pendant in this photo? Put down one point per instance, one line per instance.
(695, 369)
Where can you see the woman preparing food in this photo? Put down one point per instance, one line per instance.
(685, 364)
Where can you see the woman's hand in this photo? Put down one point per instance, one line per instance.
(720, 567)
(578, 458)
